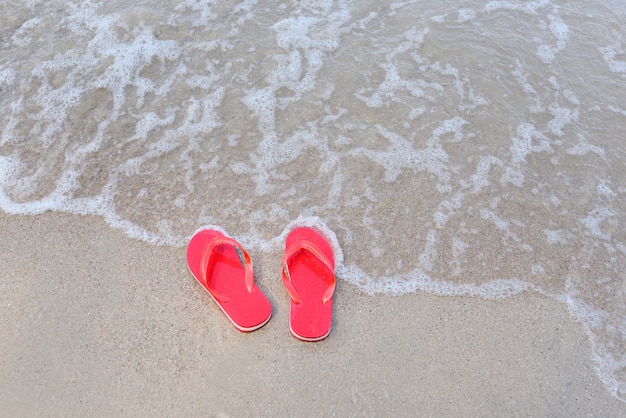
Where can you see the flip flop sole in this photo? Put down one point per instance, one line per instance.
(311, 319)
(247, 310)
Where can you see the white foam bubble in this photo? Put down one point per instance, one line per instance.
(305, 38)
(401, 155)
(148, 122)
(546, 53)
(201, 8)
(529, 7)
(529, 140)
(594, 219)
(26, 32)
(129, 60)
(583, 147)
(441, 219)
(499, 222)
(513, 176)
(459, 248)
(587, 316)
(466, 15)
(453, 126)
(605, 190)
(440, 18)
(608, 362)
(10, 169)
(616, 109)
(562, 117)
(480, 179)
(7, 77)
(609, 53)
(560, 31)
(555, 236)
(418, 280)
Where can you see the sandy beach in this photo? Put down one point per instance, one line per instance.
(93, 323)
(466, 160)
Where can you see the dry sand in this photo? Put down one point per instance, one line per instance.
(93, 323)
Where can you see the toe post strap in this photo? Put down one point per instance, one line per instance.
(312, 248)
(206, 262)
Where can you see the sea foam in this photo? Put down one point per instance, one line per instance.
(456, 152)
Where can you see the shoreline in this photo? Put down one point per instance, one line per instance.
(95, 323)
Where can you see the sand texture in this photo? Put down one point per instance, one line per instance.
(93, 323)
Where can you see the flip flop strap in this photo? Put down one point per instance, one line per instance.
(309, 246)
(206, 257)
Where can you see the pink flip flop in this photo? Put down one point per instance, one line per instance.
(308, 276)
(224, 269)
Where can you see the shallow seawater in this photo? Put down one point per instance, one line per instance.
(456, 148)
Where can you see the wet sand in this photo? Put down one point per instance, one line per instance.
(93, 323)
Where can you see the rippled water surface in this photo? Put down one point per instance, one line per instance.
(454, 147)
